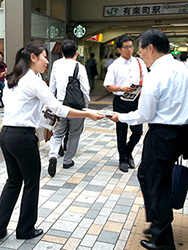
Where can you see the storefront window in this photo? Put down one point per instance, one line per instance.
(45, 27)
(53, 8)
(39, 26)
(39, 6)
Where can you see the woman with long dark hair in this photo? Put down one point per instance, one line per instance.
(24, 94)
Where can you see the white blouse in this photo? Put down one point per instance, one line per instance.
(23, 103)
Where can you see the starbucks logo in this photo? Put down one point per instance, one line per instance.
(79, 30)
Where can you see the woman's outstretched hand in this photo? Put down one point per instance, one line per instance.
(94, 115)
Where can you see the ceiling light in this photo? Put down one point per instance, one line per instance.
(180, 24)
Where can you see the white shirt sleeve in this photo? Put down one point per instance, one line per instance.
(110, 77)
(52, 84)
(42, 91)
(147, 107)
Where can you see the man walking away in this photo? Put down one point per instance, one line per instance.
(62, 69)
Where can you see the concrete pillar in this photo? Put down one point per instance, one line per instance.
(17, 26)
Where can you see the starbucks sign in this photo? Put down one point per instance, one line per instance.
(79, 30)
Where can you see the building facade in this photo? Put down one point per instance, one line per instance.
(92, 24)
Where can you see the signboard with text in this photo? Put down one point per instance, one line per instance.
(147, 9)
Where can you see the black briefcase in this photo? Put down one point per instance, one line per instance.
(179, 185)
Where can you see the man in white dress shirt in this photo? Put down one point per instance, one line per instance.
(163, 104)
(61, 70)
(122, 73)
(109, 61)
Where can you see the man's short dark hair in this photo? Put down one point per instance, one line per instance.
(155, 37)
(92, 55)
(121, 39)
(1, 53)
(69, 48)
(183, 57)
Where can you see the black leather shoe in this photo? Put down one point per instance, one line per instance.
(147, 231)
(3, 234)
(34, 234)
(123, 166)
(130, 161)
(68, 165)
(61, 151)
(151, 246)
(52, 166)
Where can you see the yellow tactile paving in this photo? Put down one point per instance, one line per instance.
(180, 229)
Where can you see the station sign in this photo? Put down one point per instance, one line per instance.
(144, 10)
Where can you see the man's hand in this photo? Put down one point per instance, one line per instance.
(128, 89)
(115, 117)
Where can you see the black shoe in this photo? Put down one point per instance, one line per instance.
(147, 231)
(61, 151)
(52, 166)
(3, 234)
(68, 165)
(123, 166)
(36, 233)
(151, 246)
(130, 161)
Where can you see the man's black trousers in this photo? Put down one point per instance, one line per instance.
(162, 146)
(125, 148)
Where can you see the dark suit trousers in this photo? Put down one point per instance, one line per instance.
(20, 150)
(124, 147)
(162, 146)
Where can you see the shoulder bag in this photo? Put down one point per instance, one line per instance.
(74, 97)
(179, 184)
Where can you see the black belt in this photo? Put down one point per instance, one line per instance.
(166, 125)
(19, 129)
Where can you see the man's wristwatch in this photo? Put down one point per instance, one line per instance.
(121, 89)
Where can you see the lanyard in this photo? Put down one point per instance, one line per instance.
(141, 76)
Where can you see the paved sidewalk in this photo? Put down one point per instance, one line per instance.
(91, 206)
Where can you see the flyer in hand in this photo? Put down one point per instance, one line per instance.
(106, 113)
(131, 96)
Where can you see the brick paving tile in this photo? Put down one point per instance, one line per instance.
(93, 205)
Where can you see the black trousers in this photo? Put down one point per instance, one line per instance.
(162, 147)
(20, 150)
(124, 147)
